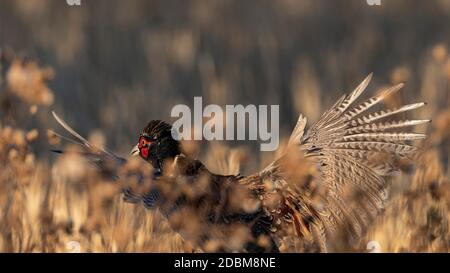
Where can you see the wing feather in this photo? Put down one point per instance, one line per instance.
(355, 154)
(355, 151)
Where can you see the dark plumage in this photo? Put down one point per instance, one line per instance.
(353, 150)
(162, 145)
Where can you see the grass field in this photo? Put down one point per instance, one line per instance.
(96, 80)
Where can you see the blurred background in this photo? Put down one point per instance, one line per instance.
(119, 64)
(114, 65)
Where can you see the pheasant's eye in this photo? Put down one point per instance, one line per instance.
(143, 142)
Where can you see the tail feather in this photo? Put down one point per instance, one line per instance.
(81, 140)
(71, 131)
(74, 141)
(105, 161)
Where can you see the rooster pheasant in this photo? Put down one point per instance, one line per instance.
(351, 150)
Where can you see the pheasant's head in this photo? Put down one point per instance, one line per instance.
(156, 144)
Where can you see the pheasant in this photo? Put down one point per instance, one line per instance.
(346, 157)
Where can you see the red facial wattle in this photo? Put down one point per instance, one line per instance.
(144, 146)
(144, 153)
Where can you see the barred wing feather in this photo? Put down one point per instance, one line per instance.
(356, 151)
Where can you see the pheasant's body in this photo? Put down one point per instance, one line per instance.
(343, 161)
(221, 203)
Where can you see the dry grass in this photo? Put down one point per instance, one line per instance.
(45, 206)
(46, 202)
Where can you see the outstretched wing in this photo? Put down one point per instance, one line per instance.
(356, 150)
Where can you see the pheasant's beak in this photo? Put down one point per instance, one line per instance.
(135, 151)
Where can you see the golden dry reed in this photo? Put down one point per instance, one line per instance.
(60, 204)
